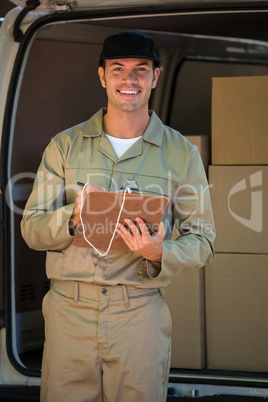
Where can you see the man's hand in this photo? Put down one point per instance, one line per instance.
(140, 240)
(75, 218)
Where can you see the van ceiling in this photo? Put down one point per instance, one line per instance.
(235, 24)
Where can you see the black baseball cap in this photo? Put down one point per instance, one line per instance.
(129, 44)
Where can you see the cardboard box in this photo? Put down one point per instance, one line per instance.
(240, 120)
(185, 298)
(203, 143)
(237, 312)
(239, 196)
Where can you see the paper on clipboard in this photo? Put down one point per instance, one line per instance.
(100, 213)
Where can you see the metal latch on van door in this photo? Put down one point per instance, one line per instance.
(62, 6)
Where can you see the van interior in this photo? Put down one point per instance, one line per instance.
(56, 86)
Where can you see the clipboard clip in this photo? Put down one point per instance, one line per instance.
(132, 185)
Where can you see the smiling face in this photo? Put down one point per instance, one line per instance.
(128, 83)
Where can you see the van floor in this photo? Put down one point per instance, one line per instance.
(31, 394)
(33, 361)
(235, 376)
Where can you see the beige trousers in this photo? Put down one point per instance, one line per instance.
(105, 344)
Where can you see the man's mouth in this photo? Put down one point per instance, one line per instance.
(128, 92)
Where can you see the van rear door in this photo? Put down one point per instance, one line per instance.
(48, 82)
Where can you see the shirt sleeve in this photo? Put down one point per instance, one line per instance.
(45, 221)
(193, 218)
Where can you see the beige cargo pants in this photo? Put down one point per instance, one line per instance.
(105, 344)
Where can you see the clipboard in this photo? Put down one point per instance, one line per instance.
(100, 213)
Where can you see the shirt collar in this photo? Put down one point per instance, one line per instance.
(155, 130)
(153, 133)
(93, 127)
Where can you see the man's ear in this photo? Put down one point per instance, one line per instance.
(102, 76)
(155, 77)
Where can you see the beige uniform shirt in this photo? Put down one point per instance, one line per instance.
(162, 162)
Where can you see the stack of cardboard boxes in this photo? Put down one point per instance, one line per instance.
(236, 282)
(220, 312)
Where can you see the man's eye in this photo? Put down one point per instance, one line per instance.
(143, 70)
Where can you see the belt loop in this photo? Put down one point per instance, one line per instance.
(125, 294)
(76, 291)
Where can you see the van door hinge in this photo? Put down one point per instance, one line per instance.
(30, 5)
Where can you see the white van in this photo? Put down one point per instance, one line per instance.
(49, 82)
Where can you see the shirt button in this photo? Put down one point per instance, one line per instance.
(104, 291)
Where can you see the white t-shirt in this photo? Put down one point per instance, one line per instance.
(121, 145)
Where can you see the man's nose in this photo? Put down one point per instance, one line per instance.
(130, 76)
